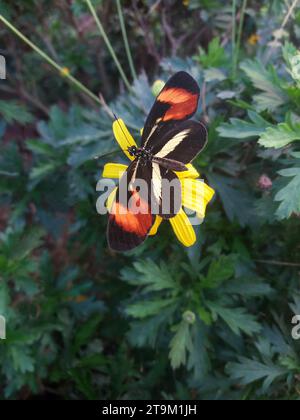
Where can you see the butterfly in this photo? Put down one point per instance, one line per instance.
(170, 140)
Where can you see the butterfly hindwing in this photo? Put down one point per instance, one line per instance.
(178, 101)
(166, 191)
(130, 218)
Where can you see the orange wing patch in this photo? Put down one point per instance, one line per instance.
(182, 103)
(138, 221)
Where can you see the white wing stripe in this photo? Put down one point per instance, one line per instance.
(173, 143)
(156, 181)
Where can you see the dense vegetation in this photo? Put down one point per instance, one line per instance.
(212, 321)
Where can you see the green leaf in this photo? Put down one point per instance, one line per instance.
(26, 243)
(22, 359)
(219, 271)
(289, 196)
(199, 359)
(215, 56)
(42, 171)
(180, 344)
(237, 319)
(146, 331)
(12, 111)
(85, 333)
(248, 371)
(4, 297)
(214, 74)
(150, 275)
(237, 201)
(280, 135)
(40, 148)
(266, 80)
(292, 59)
(241, 129)
(148, 308)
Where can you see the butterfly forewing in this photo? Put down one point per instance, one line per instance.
(178, 101)
(182, 143)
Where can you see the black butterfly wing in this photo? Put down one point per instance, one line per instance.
(166, 192)
(182, 143)
(130, 216)
(177, 102)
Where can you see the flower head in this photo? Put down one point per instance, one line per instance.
(65, 72)
(195, 193)
(254, 39)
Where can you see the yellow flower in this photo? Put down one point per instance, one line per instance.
(192, 189)
(186, 3)
(65, 71)
(254, 39)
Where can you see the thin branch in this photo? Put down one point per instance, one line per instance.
(125, 38)
(279, 263)
(289, 14)
(105, 107)
(108, 44)
(46, 57)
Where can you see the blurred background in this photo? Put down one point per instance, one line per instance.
(213, 321)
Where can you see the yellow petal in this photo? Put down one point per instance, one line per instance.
(183, 229)
(123, 137)
(156, 225)
(196, 195)
(111, 199)
(190, 173)
(141, 131)
(114, 170)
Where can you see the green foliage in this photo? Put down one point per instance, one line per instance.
(267, 81)
(13, 112)
(280, 135)
(162, 322)
(289, 196)
(215, 56)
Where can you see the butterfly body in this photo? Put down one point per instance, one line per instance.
(169, 142)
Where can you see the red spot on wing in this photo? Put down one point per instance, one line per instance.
(182, 103)
(136, 218)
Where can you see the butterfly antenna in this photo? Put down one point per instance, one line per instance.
(106, 154)
(124, 133)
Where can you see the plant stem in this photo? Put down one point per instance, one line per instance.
(278, 34)
(279, 263)
(47, 58)
(289, 13)
(125, 38)
(239, 36)
(233, 38)
(108, 44)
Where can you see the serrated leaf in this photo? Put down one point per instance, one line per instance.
(219, 271)
(241, 129)
(148, 308)
(215, 55)
(13, 111)
(267, 81)
(40, 148)
(248, 371)
(42, 171)
(22, 360)
(237, 202)
(180, 344)
(289, 196)
(147, 273)
(237, 319)
(280, 135)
